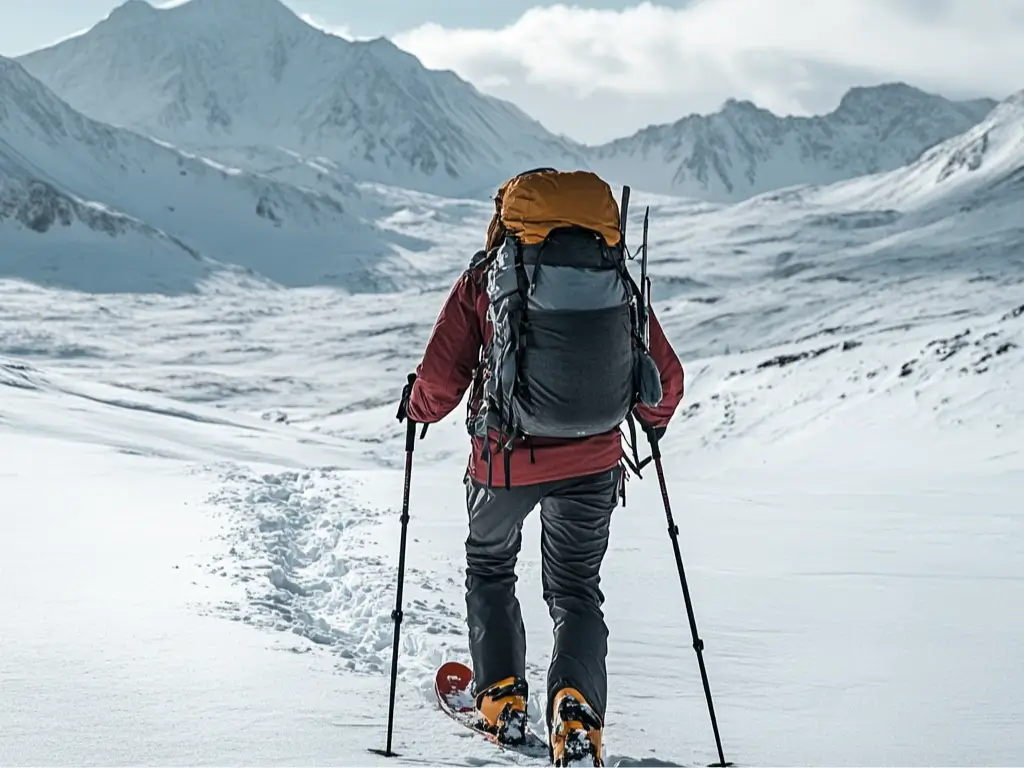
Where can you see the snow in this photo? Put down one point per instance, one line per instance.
(205, 76)
(743, 150)
(244, 86)
(203, 488)
(75, 180)
(964, 170)
(845, 538)
(202, 470)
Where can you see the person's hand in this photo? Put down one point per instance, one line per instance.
(654, 433)
(403, 406)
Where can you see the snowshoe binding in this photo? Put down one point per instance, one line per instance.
(575, 731)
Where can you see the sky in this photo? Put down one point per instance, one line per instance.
(600, 69)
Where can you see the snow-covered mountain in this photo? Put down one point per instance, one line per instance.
(983, 166)
(788, 261)
(249, 75)
(744, 150)
(247, 81)
(209, 478)
(69, 184)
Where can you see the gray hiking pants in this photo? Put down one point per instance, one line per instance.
(575, 516)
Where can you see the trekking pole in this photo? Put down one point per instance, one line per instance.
(396, 615)
(698, 644)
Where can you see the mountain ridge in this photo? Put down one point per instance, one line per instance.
(68, 179)
(277, 82)
(744, 150)
(205, 77)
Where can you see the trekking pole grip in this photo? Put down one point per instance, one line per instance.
(410, 427)
(652, 438)
(410, 436)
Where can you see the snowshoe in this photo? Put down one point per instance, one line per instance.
(508, 727)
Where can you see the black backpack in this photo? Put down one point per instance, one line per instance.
(568, 355)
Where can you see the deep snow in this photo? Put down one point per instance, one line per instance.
(852, 538)
(195, 481)
(201, 493)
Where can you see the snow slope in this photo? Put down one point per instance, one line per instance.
(90, 206)
(980, 167)
(744, 150)
(952, 218)
(223, 75)
(209, 489)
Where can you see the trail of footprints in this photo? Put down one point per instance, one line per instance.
(298, 547)
(302, 550)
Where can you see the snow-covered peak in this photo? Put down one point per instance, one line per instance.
(131, 11)
(215, 75)
(212, 13)
(982, 166)
(897, 95)
(743, 150)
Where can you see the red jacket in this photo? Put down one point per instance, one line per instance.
(446, 372)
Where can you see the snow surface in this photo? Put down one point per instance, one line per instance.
(202, 491)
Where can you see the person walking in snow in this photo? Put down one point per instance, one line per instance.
(548, 333)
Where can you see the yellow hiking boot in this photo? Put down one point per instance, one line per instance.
(575, 730)
(502, 709)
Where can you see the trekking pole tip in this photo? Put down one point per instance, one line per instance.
(384, 752)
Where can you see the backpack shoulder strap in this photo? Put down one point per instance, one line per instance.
(479, 264)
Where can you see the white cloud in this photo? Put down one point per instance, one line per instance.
(791, 56)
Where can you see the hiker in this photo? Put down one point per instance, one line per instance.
(549, 290)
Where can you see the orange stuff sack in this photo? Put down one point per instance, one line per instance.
(530, 205)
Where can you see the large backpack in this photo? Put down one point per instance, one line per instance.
(567, 356)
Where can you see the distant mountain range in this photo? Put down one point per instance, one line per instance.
(197, 140)
(249, 83)
(744, 150)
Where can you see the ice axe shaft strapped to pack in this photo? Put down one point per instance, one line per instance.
(673, 530)
(397, 615)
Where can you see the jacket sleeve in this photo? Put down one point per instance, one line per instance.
(450, 358)
(672, 379)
